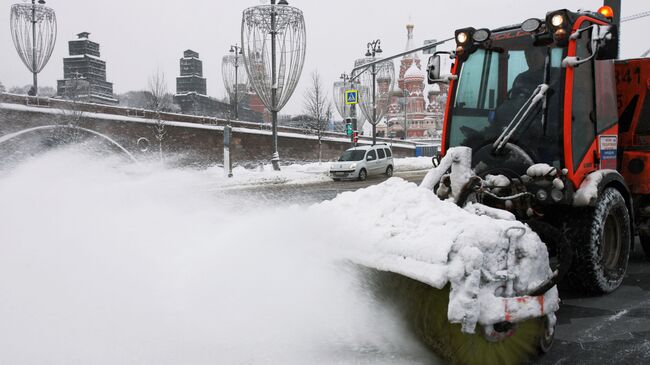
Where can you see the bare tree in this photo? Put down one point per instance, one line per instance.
(2, 88)
(160, 101)
(319, 108)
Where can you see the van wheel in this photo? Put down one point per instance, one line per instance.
(389, 171)
(601, 239)
(363, 175)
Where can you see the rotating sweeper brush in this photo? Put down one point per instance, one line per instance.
(471, 281)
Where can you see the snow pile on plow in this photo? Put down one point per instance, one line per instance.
(492, 265)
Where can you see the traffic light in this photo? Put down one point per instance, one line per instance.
(348, 129)
(355, 136)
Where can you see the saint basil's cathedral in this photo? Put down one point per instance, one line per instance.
(410, 109)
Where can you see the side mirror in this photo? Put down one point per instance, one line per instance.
(434, 70)
(600, 36)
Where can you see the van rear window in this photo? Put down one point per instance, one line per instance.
(381, 153)
(388, 153)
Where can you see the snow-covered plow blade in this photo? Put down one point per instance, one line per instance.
(474, 283)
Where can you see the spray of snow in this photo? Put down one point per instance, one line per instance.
(106, 263)
(110, 264)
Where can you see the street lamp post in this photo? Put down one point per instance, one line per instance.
(273, 26)
(235, 81)
(33, 29)
(381, 75)
(374, 47)
(236, 50)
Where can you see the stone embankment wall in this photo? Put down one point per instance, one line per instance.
(192, 140)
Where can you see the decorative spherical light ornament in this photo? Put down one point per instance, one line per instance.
(383, 85)
(33, 30)
(234, 77)
(274, 45)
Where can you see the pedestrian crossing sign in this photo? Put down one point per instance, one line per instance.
(352, 97)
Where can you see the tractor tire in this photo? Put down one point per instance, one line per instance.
(389, 171)
(363, 175)
(601, 238)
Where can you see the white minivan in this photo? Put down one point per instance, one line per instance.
(363, 161)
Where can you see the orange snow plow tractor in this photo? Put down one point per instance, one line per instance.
(559, 129)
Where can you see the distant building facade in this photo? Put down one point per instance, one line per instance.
(191, 94)
(411, 112)
(191, 79)
(84, 73)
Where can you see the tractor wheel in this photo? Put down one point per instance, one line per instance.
(601, 239)
(363, 175)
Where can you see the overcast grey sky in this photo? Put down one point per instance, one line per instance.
(139, 36)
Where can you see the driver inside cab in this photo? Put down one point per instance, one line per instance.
(523, 87)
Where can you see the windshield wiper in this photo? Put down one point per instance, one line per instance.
(538, 95)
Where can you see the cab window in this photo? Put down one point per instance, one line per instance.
(372, 155)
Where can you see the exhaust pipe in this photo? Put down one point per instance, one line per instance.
(616, 7)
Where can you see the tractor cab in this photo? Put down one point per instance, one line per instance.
(525, 94)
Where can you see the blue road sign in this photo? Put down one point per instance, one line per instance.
(352, 97)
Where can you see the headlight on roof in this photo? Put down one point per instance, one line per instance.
(557, 20)
(462, 37)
